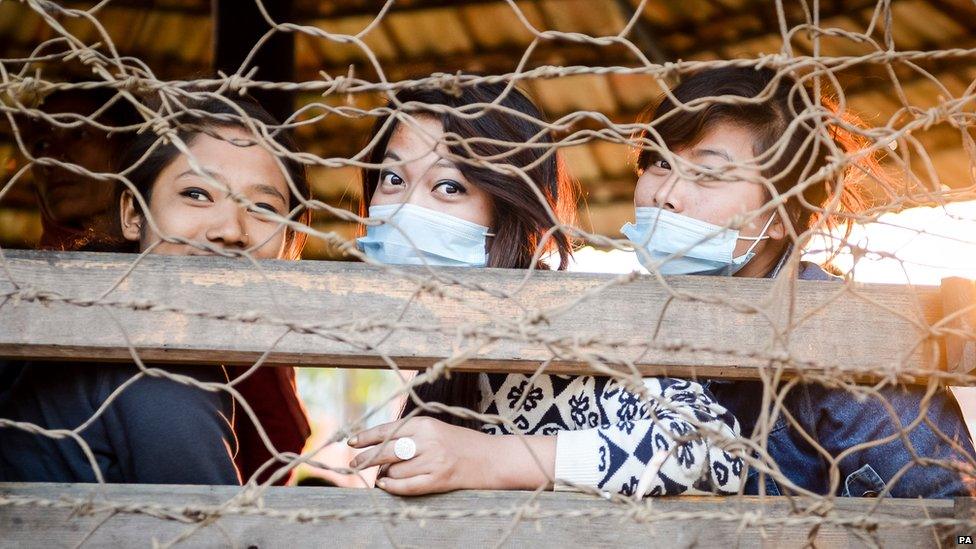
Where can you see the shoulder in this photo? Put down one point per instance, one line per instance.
(812, 271)
(168, 392)
(60, 383)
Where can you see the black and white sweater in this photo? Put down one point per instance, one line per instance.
(608, 438)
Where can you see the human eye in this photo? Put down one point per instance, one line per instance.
(662, 164)
(449, 187)
(196, 194)
(391, 179)
(264, 207)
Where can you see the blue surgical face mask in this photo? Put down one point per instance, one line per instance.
(418, 236)
(699, 247)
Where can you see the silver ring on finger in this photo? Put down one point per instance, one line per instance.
(405, 448)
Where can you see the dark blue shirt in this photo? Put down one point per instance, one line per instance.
(155, 430)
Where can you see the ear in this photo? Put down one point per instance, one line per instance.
(777, 230)
(130, 216)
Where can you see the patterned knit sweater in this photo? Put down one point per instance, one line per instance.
(606, 437)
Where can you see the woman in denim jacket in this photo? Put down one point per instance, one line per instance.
(768, 168)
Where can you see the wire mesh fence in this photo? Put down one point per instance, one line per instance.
(628, 386)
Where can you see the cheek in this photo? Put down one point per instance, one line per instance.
(270, 234)
(751, 198)
(477, 206)
(647, 186)
(93, 154)
(379, 198)
(719, 204)
(716, 212)
(484, 212)
(177, 220)
(475, 211)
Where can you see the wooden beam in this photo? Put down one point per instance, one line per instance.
(197, 310)
(651, 38)
(308, 10)
(70, 515)
(643, 33)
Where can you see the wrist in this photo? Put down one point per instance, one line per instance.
(521, 462)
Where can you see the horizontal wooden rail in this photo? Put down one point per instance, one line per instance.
(64, 515)
(206, 310)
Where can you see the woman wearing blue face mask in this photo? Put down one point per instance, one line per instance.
(585, 430)
(687, 223)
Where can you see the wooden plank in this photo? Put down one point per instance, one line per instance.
(964, 509)
(65, 515)
(217, 310)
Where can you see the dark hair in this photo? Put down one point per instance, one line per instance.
(520, 220)
(800, 154)
(113, 109)
(204, 116)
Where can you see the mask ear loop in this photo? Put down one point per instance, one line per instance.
(762, 235)
(486, 245)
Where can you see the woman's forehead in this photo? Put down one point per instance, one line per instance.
(228, 161)
(724, 139)
(420, 134)
(231, 146)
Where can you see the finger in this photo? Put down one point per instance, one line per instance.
(413, 486)
(382, 454)
(406, 469)
(378, 434)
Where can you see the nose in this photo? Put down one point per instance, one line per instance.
(668, 195)
(228, 226)
(417, 197)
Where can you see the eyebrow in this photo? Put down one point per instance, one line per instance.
(443, 162)
(698, 153)
(206, 171)
(268, 189)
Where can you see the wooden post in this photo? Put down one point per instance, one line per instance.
(238, 25)
(959, 297)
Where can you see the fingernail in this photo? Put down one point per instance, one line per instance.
(353, 441)
(381, 484)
